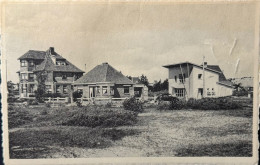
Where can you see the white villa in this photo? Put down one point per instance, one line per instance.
(186, 81)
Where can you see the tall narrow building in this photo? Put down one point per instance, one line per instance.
(59, 73)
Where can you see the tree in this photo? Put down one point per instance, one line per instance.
(157, 86)
(129, 77)
(144, 80)
(164, 85)
(41, 78)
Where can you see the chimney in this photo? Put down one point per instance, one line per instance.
(51, 54)
(51, 50)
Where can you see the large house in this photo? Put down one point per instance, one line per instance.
(59, 72)
(103, 81)
(186, 81)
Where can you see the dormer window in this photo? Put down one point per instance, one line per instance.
(60, 63)
(23, 63)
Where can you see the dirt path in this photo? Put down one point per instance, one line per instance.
(163, 134)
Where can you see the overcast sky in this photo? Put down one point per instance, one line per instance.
(134, 38)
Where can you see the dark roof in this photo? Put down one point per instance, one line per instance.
(33, 54)
(226, 83)
(173, 65)
(104, 73)
(47, 64)
(217, 68)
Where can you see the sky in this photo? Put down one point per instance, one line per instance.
(135, 38)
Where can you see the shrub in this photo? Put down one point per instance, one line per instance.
(76, 95)
(94, 116)
(133, 105)
(175, 104)
(163, 105)
(221, 103)
(48, 105)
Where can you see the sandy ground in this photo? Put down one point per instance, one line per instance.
(164, 133)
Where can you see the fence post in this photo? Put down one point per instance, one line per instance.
(49, 99)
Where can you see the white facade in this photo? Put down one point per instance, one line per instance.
(192, 84)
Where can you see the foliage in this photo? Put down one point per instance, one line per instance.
(221, 103)
(76, 95)
(133, 104)
(175, 104)
(160, 86)
(94, 116)
(144, 80)
(41, 77)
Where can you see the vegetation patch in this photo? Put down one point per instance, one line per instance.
(34, 143)
(133, 104)
(234, 149)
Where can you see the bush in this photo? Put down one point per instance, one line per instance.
(48, 105)
(76, 95)
(94, 116)
(221, 103)
(175, 104)
(133, 105)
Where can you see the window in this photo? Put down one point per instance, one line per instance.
(24, 76)
(175, 77)
(104, 90)
(65, 89)
(213, 92)
(60, 63)
(31, 76)
(182, 78)
(111, 90)
(180, 92)
(23, 63)
(64, 77)
(98, 89)
(58, 89)
(31, 63)
(48, 88)
(199, 76)
(208, 92)
(24, 88)
(126, 90)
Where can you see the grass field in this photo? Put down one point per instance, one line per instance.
(38, 133)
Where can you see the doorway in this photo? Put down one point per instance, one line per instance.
(92, 92)
(200, 93)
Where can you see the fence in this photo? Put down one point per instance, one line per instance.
(57, 100)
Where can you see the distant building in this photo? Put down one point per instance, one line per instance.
(59, 71)
(104, 81)
(140, 90)
(245, 82)
(186, 80)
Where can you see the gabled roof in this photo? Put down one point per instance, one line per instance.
(173, 65)
(103, 73)
(47, 64)
(226, 83)
(33, 54)
(217, 68)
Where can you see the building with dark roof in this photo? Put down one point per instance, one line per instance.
(188, 80)
(59, 72)
(104, 81)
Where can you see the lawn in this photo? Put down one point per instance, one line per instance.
(52, 132)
